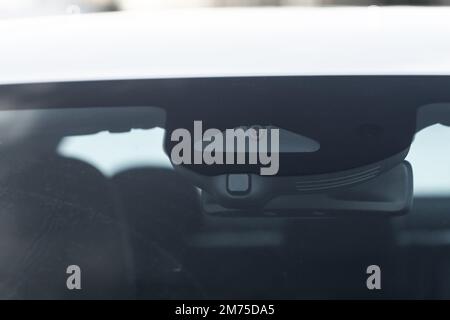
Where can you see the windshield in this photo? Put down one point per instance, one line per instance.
(217, 149)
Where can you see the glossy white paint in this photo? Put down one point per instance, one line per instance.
(226, 42)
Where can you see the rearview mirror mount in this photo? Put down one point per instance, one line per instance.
(390, 193)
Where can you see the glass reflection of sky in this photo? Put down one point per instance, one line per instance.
(430, 159)
(112, 153)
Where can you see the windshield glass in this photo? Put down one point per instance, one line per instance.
(218, 149)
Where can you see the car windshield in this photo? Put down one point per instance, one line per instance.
(116, 162)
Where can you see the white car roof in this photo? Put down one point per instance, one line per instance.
(227, 42)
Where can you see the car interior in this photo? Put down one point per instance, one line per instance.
(139, 231)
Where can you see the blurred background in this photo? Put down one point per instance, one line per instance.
(23, 8)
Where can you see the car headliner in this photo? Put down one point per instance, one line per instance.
(226, 42)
